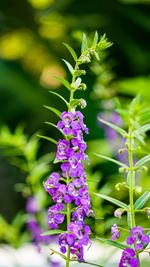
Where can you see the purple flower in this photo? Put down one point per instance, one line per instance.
(138, 238)
(32, 205)
(36, 232)
(52, 181)
(54, 217)
(62, 148)
(115, 232)
(128, 258)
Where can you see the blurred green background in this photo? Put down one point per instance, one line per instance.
(31, 49)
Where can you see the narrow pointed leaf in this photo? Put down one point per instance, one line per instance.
(145, 246)
(112, 243)
(141, 201)
(95, 41)
(84, 45)
(112, 200)
(72, 52)
(56, 111)
(60, 96)
(52, 232)
(86, 262)
(114, 127)
(142, 161)
(112, 160)
(47, 138)
(143, 129)
(64, 82)
(52, 124)
(58, 253)
(70, 68)
(140, 138)
(97, 55)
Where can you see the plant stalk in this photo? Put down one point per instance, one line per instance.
(131, 179)
(132, 183)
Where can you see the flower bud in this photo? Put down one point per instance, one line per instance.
(86, 59)
(120, 186)
(144, 168)
(82, 86)
(121, 169)
(118, 213)
(147, 210)
(120, 151)
(138, 189)
(83, 103)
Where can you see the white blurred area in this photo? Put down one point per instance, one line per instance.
(28, 256)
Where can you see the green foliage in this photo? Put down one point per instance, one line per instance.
(52, 232)
(113, 200)
(22, 152)
(112, 243)
(112, 160)
(135, 134)
(141, 201)
(114, 127)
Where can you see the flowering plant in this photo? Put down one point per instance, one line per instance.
(68, 187)
(138, 238)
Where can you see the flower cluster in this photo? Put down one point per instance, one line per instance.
(137, 238)
(128, 258)
(70, 188)
(115, 232)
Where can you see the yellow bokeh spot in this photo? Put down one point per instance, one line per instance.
(51, 26)
(48, 79)
(36, 58)
(41, 4)
(14, 45)
(53, 31)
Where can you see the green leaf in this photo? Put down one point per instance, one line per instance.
(112, 200)
(142, 161)
(60, 96)
(47, 138)
(145, 246)
(52, 124)
(140, 202)
(86, 262)
(148, 233)
(56, 111)
(112, 160)
(72, 52)
(114, 127)
(143, 129)
(96, 55)
(64, 82)
(58, 253)
(140, 138)
(70, 68)
(112, 243)
(84, 45)
(52, 232)
(95, 41)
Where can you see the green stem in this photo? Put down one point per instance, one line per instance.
(132, 183)
(67, 176)
(68, 221)
(131, 179)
